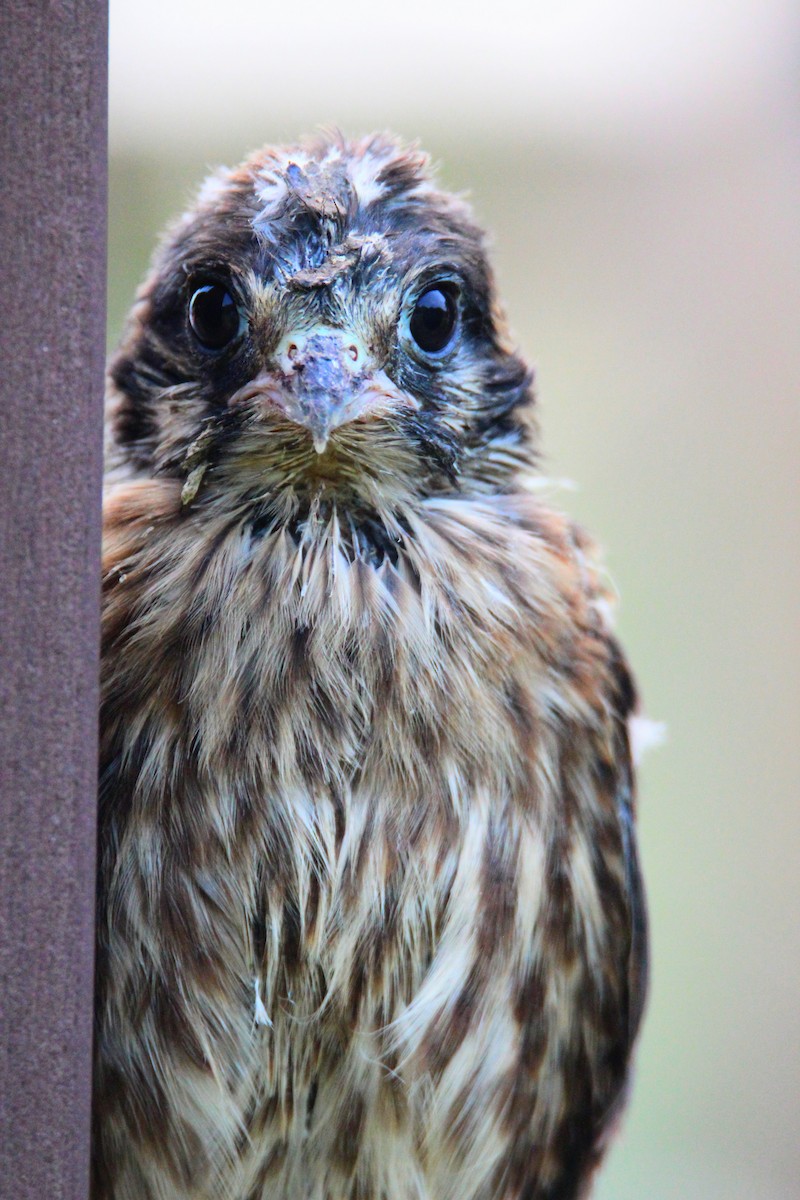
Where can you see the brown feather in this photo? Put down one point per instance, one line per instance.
(371, 923)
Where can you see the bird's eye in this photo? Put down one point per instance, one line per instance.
(433, 320)
(213, 316)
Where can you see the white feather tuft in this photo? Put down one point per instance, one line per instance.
(213, 187)
(645, 735)
(261, 1014)
(363, 174)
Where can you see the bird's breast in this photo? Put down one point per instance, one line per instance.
(350, 818)
(327, 734)
(310, 663)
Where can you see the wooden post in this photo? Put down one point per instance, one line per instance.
(53, 88)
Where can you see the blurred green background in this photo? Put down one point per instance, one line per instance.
(638, 167)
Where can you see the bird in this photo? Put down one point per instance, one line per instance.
(371, 922)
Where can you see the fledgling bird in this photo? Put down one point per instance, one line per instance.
(371, 925)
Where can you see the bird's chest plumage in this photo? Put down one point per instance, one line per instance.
(346, 857)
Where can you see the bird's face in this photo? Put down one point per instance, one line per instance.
(321, 325)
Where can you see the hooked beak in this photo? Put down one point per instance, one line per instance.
(324, 378)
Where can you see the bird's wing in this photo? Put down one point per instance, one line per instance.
(625, 707)
(638, 964)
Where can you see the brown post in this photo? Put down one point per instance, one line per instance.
(53, 76)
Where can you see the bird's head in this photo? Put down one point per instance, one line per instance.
(322, 324)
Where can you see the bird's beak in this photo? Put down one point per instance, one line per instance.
(323, 380)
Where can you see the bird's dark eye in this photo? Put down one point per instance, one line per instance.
(433, 320)
(213, 316)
